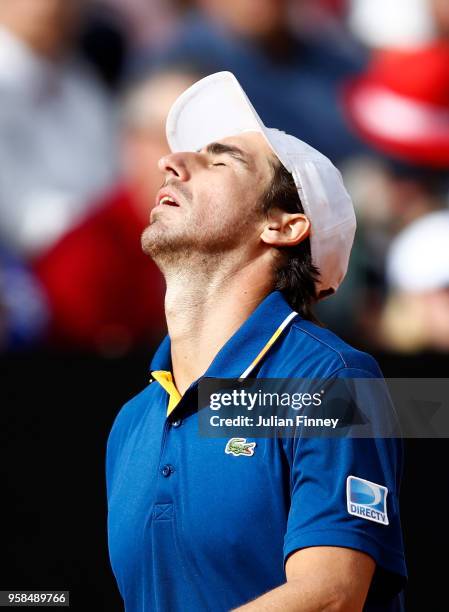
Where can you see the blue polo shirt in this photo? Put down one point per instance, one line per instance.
(194, 528)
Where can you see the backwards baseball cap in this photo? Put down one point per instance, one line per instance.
(217, 107)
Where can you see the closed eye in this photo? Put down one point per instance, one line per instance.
(219, 164)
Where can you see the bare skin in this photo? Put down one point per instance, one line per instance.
(215, 249)
(319, 579)
(217, 253)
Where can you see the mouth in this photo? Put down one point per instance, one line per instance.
(166, 199)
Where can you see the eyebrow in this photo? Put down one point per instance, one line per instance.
(217, 148)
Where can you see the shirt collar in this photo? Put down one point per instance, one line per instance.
(247, 346)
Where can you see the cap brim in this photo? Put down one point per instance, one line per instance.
(213, 108)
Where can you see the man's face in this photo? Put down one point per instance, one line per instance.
(210, 201)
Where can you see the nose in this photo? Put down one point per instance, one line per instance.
(175, 165)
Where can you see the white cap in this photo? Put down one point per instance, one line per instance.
(217, 107)
(418, 259)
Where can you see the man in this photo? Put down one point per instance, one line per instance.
(192, 524)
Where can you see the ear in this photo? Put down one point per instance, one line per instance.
(283, 229)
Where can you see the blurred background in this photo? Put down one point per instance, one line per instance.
(85, 86)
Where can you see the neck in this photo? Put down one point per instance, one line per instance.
(204, 308)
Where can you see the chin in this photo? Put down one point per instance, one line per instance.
(159, 244)
(149, 239)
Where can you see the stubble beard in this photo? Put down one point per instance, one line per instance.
(191, 246)
(159, 244)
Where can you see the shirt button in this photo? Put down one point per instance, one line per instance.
(176, 423)
(167, 470)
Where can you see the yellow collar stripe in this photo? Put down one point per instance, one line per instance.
(269, 344)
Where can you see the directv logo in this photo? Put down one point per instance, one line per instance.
(367, 499)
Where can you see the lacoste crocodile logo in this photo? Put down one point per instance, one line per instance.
(239, 446)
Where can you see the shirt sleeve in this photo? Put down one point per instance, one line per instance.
(345, 492)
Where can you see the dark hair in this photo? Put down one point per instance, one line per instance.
(295, 274)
